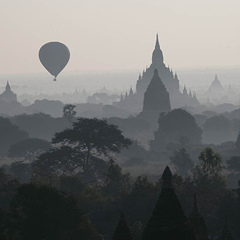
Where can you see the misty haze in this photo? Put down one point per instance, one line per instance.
(120, 120)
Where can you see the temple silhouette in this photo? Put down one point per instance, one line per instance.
(8, 96)
(216, 86)
(168, 220)
(134, 101)
(156, 100)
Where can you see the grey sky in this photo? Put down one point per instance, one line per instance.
(120, 34)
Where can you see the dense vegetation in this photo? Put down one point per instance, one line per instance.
(90, 172)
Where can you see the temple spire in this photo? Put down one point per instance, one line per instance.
(195, 212)
(157, 56)
(7, 87)
(168, 220)
(167, 178)
(157, 43)
(198, 223)
(122, 231)
(185, 90)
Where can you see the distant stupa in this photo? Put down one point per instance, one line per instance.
(216, 85)
(8, 95)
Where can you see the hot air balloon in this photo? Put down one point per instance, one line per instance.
(54, 56)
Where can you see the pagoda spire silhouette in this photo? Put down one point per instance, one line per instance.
(168, 220)
(122, 231)
(8, 88)
(157, 55)
(8, 95)
(198, 223)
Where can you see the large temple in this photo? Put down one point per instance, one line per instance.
(134, 101)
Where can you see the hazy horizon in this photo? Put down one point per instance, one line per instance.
(195, 79)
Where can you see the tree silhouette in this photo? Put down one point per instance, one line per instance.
(9, 134)
(210, 162)
(177, 126)
(238, 142)
(42, 212)
(29, 148)
(116, 183)
(69, 112)
(182, 161)
(234, 164)
(83, 147)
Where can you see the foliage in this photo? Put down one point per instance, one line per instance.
(82, 148)
(217, 129)
(210, 162)
(42, 212)
(69, 112)
(176, 126)
(93, 136)
(29, 148)
(238, 142)
(22, 171)
(234, 163)
(182, 161)
(9, 134)
(40, 125)
(4, 177)
(71, 184)
(135, 150)
(116, 183)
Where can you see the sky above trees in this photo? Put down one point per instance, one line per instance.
(120, 35)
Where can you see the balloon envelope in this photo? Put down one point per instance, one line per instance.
(54, 56)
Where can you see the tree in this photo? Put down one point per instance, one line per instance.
(69, 112)
(9, 134)
(234, 164)
(22, 171)
(238, 142)
(182, 161)
(217, 129)
(177, 126)
(40, 125)
(209, 184)
(210, 162)
(84, 147)
(42, 212)
(29, 148)
(116, 183)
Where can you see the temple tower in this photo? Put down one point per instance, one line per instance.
(198, 223)
(157, 56)
(8, 96)
(122, 231)
(156, 99)
(168, 220)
